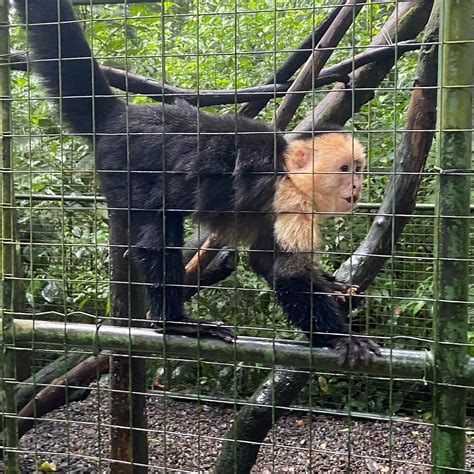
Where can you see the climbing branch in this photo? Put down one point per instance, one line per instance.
(294, 61)
(62, 389)
(410, 158)
(339, 105)
(315, 63)
(155, 90)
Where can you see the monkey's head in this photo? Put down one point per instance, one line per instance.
(327, 170)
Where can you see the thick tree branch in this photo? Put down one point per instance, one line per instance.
(61, 390)
(410, 158)
(285, 72)
(211, 263)
(155, 90)
(27, 389)
(314, 65)
(340, 104)
(371, 55)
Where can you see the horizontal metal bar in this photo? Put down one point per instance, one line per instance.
(58, 197)
(393, 363)
(70, 198)
(110, 2)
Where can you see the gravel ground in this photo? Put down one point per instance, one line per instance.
(185, 436)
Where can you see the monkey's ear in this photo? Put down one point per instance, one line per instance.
(298, 156)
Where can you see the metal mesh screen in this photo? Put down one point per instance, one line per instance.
(76, 399)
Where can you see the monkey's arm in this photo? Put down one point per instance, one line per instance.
(308, 295)
(311, 301)
(305, 293)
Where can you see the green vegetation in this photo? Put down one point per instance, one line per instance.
(64, 242)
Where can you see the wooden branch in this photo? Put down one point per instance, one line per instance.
(160, 92)
(285, 72)
(155, 90)
(372, 55)
(314, 65)
(253, 421)
(27, 389)
(210, 264)
(340, 104)
(410, 158)
(201, 258)
(137, 84)
(57, 393)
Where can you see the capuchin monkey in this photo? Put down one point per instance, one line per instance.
(245, 182)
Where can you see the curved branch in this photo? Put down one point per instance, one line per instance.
(410, 158)
(294, 61)
(73, 385)
(314, 65)
(340, 104)
(157, 91)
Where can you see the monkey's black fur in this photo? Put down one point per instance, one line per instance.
(165, 162)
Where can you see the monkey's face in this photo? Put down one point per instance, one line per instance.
(348, 181)
(327, 170)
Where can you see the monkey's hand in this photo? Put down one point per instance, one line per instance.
(348, 296)
(197, 328)
(355, 349)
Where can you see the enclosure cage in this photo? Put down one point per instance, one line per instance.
(89, 386)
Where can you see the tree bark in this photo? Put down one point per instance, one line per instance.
(339, 105)
(62, 390)
(294, 61)
(304, 82)
(157, 91)
(45, 376)
(129, 440)
(410, 158)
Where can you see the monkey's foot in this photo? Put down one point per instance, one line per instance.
(196, 328)
(351, 350)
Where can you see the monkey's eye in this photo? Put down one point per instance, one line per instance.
(344, 168)
(358, 169)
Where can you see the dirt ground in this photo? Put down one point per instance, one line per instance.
(185, 436)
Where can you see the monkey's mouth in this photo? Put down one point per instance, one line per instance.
(351, 200)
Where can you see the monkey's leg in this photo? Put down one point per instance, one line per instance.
(156, 247)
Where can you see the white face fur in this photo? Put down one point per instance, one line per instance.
(323, 179)
(328, 170)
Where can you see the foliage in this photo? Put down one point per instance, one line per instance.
(215, 44)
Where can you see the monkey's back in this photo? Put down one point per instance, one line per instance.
(177, 158)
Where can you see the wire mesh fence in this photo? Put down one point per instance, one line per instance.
(101, 195)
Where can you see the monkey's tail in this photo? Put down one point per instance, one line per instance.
(63, 58)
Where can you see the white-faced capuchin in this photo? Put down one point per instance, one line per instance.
(239, 177)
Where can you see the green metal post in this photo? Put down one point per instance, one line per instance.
(452, 249)
(7, 256)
